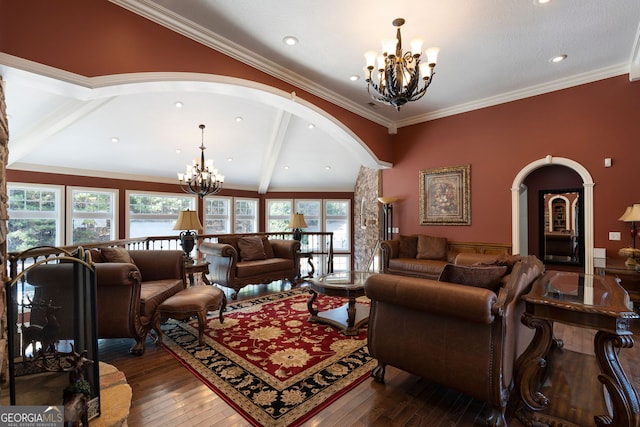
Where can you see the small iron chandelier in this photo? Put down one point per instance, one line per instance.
(399, 74)
(201, 178)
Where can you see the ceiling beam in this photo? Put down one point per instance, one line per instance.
(69, 113)
(280, 127)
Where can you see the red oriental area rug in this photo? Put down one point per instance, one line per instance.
(268, 362)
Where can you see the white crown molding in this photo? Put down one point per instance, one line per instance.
(576, 80)
(634, 61)
(29, 167)
(187, 28)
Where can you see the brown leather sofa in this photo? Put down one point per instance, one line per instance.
(236, 261)
(461, 336)
(127, 292)
(425, 256)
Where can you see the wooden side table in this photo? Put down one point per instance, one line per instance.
(192, 268)
(312, 268)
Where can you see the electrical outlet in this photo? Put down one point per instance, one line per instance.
(614, 235)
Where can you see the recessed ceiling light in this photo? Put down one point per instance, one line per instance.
(558, 58)
(327, 168)
(238, 119)
(311, 126)
(541, 1)
(115, 139)
(179, 104)
(178, 151)
(286, 167)
(290, 41)
(229, 159)
(354, 77)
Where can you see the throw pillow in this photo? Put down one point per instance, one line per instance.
(96, 255)
(251, 248)
(268, 249)
(430, 247)
(481, 277)
(408, 246)
(116, 255)
(228, 240)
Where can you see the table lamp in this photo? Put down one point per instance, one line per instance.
(187, 221)
(296, 223)
(632, 215)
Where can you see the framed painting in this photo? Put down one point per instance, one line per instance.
(445, 196)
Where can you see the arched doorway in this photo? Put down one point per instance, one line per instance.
(519, 217)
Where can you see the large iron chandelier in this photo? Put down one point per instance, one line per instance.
(399, 74)
(201, 178)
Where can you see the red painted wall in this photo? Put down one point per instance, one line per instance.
(586, 123)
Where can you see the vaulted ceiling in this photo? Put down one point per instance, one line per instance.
(490, 53)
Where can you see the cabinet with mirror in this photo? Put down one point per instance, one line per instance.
(561, 235)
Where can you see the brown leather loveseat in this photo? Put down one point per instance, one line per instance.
(236, 260)
(463, 336)
(130, 285)
(425, 256)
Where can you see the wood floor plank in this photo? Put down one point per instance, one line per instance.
(165, 393)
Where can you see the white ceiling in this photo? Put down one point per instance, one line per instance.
(490, 52)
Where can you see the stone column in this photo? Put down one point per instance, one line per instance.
(4, 154)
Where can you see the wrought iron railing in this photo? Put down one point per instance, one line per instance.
(319, 244)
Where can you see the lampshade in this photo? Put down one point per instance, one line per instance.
(631, 214)
(188, 220)
(387, 200)
(297, 221)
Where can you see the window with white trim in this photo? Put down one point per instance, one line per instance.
(336, 220)
(245, 215)
(225, 215)
(35, 216)
(278, 215)
(91, 215)
(154, 214)
(217, 215)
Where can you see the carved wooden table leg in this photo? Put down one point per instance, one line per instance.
(622, 395)
(531, 366)
(312, 310)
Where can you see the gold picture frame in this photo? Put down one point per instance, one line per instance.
(445, 196)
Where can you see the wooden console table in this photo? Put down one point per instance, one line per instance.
(629, 278)
(587, 301)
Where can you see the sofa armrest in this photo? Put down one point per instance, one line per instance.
(118, 289)
(288, 249)
(117, 274)
(219, 250)
(159, 264)
(465, 302)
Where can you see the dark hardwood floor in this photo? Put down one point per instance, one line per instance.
(166, 394)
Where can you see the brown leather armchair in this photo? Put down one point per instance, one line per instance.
(460, 336)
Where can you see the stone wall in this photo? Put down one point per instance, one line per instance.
(4, 154)
(367, 212)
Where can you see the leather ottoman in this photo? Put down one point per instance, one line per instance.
(192, 301)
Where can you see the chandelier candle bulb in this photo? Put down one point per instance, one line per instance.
(416, 47)
(432, 56)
